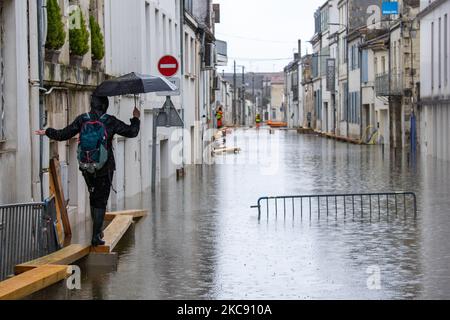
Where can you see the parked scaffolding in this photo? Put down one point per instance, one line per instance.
(27, 232)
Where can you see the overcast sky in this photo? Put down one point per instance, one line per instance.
(265, 29)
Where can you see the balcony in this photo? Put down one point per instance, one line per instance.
(386, 88)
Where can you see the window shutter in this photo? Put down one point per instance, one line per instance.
(365, 66)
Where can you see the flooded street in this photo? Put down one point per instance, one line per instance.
(202, 240)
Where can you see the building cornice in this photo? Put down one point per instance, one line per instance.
(190, 20)
(430, 8)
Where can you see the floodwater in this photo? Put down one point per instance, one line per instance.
(203, 241)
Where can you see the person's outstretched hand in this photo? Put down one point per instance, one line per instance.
(40, 132)
(136, 113)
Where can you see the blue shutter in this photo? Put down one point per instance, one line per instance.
(358, 107)
(365, 66)
(346, 101)
(353, 107)
(350, 106)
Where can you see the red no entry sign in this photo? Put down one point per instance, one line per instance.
(168, 66)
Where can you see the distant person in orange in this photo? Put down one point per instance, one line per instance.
(258, 121)
(219, 117)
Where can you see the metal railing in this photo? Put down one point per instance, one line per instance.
(362, 206)
(27, 232)
(389, 84)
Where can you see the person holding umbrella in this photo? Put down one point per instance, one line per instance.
(95, 154)
(97, 130)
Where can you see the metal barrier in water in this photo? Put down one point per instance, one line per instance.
(362, 205)
(27, 232)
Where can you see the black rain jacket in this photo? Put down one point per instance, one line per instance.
(113, 126)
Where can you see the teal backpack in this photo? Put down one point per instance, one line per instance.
(93, 144)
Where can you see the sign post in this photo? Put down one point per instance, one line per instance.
(167, 116)
(168, 66)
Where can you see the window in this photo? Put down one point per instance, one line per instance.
(432, 55)
(317, 22)
(164, 34)
(375, 66)
(324, 55)
(148, 36)
(354, 116)
(440, 53)
(446, 50)
(188, 6)
(345, 101)
(186, 53)
(394, 58)
(354, 56)
(315, 66)
(192, 48)
(318, 104)
(365, 66)
(345, 48)
(177, 44)
(170, 37)
(325, 19)
(157, 33)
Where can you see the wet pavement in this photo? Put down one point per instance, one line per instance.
(203, 241)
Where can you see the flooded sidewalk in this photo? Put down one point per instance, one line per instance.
(202, 240)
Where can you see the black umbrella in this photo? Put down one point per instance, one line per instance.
(133, 83)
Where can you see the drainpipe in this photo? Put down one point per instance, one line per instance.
(182, 77)
(348, 71)
(389, 88)
(360, 94)
(42, 119)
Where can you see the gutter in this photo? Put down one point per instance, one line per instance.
(42, 120)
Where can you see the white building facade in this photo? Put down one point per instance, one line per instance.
(19, 103)
(435, 87)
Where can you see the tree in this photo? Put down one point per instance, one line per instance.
(97, 41)
(79, 36)
(56, 36)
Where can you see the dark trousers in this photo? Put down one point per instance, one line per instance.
(99, 189)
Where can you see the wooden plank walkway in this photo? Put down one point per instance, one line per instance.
(113, 233)
(65, 256)
(32, 281)
(41, 273)
(136, 214)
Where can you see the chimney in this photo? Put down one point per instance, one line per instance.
(300, 48)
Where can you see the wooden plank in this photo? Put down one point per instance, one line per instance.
(65, 256)
(32, 281)
(136, 214)
(55, 175)
(113, 233)
(227, 150)
(59, 226)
